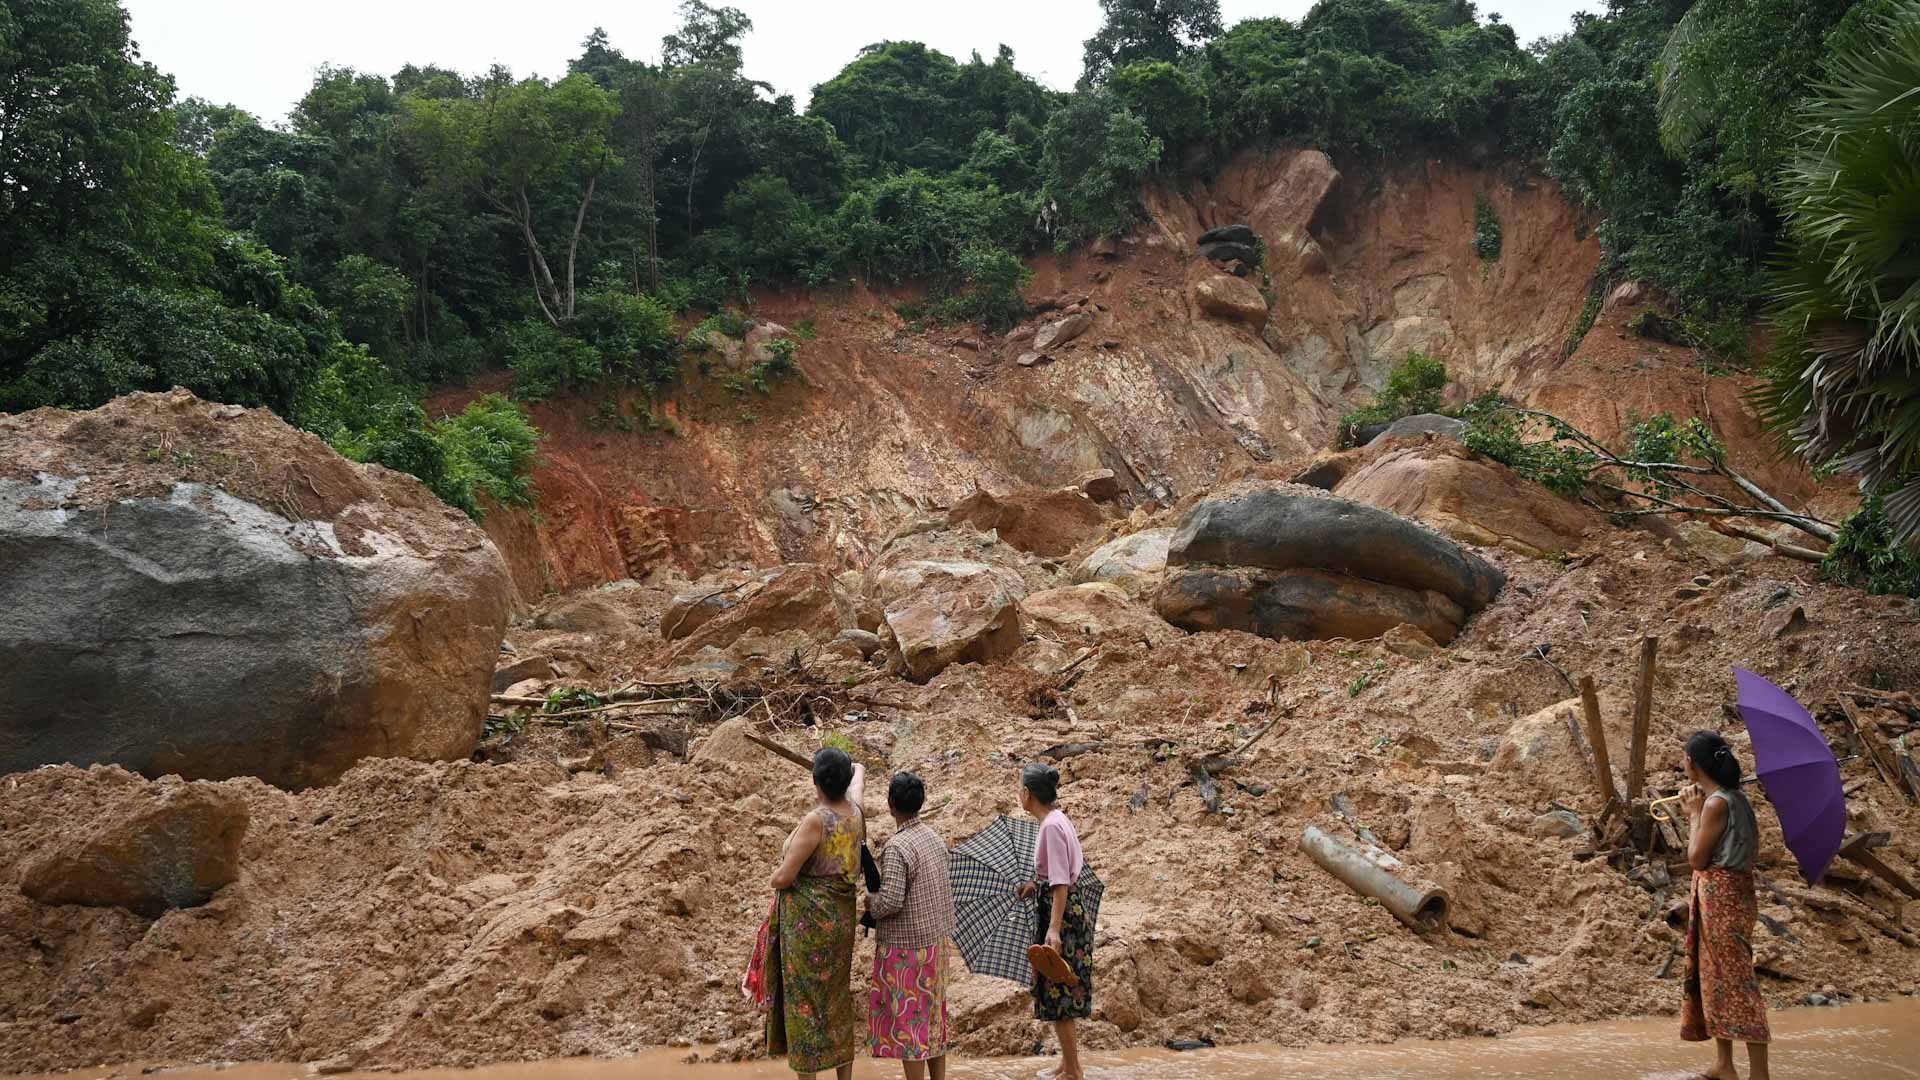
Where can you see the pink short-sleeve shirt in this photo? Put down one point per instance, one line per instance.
(1056, 855)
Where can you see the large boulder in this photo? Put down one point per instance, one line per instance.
(1538, 752)
(200, 589)
(1089, 612)
(155, 847)
(1044, 522)
(1231, 298)
(1300, 604)
(942, 613)
(800, 596)
(1470, 499)
(1408, 427)
(1232, 234)
(1293, 563)
(1058, 333)
(1135, 562)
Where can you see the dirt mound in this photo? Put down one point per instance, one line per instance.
(201, 589)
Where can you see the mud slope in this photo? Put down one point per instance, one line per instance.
(887, 419)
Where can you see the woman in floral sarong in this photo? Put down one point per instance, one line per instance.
(1063, 925)
(1723, 1001)
(811, 959)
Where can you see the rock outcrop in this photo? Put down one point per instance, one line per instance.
(1291, 563)
(156, 847)
(1089, 612)
(200, 589)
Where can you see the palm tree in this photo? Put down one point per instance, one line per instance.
(1844, 383)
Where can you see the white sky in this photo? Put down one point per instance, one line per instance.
(261, 54)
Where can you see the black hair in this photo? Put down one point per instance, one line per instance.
(907, 793)
(1715, 758)
(832, 771)
(1042, 782)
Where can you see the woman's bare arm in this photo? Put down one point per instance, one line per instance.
(857, 789)
(800, 848)
(1707, 827)
(1058, 910)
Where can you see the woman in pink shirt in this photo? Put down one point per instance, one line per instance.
(1064, 925)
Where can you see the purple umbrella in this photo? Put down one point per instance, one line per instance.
(1791, 757)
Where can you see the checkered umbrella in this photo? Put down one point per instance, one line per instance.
(994, 927)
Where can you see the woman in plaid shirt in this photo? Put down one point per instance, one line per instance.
(913, 916)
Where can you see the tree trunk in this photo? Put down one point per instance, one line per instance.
(573, 244)
(543, 285)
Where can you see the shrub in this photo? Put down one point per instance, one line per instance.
(488, 448)
(545, 361)
(1869, 556)
(634, 334)
(1486, 229)
(994, 279)
(1413, 386)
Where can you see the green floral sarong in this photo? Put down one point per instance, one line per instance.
(812, 1018)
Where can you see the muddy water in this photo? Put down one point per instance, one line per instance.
(1864, 1042)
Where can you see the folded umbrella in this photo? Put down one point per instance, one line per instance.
(1802, 778)
(993, 927)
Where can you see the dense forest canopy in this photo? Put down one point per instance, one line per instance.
(405, 230)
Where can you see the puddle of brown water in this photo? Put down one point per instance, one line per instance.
(1862, 1042)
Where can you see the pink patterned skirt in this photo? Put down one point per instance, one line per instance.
(907, 1007)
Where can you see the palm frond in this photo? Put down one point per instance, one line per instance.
(1685, 87)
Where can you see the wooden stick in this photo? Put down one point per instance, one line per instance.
(615, 705)
(776, 748)
(1857, 850)
(1876, 748)
(1642, 717)
(1597, 735)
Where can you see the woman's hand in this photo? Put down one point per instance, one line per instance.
(1024, 890)
(1691, 797)
(1053, 942)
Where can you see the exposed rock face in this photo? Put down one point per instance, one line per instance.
(1298, 565)
(804, 597)
(1232, 298)
(942, 613)
(1470, 499)
(1135, 562)
(1050, 523)
(200, 589)
(157, 846)
(1089, 612)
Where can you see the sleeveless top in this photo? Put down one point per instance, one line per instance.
(1741, 840)
(838, 856)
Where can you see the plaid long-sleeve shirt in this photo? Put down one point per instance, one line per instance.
(914, 907)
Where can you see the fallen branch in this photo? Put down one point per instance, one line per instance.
(1832, 902)
(615, 705)
(1791, 551)
(778, 750)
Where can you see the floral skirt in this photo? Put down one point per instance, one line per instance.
(1057, 1001)
(907, 1007)
(812, 1019)
(1722, 997)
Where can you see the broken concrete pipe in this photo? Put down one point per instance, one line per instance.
(1369, 872)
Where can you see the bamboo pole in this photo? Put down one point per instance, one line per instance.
(1642, 717)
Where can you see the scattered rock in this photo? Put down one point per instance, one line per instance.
(1031, 358)
(1100, 485)
(865, 641)
(1135, 562)
(1628, 294)
(1784, 623)
(1556, 825)
(161, 846)
(950, 612)
(1231, 297)
(799, 596)
(1091, 611)
(528, 667)
(1044, 522)
(1409, 641)
(250, 604)
(586, 613)
(1055, 334)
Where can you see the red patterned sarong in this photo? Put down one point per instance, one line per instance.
(907, 1007)
(1722, 997)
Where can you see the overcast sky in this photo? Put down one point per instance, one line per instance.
(261, 54)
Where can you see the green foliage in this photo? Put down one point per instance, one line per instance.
(1170, 100)
(1869, 555)
(489, 449)
(1845, 380)
(1135, 31)
(1497, 431)
(1486, 229)
(991, 294)
(545, 360)
(1414, 386)
(1094, 153)
(1583, 323)
(633, 334)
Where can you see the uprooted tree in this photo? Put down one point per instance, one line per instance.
(1670, 468)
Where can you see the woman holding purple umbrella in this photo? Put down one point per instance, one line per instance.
(1723, 1001)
